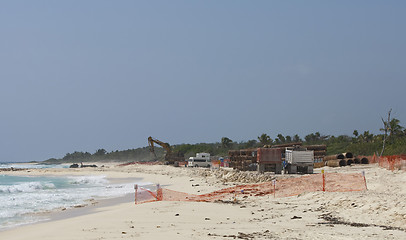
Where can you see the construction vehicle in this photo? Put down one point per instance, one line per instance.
(299, 160)
(269, 160)
(257, 159)
(171, 158)
(296, 158)
(201, 160)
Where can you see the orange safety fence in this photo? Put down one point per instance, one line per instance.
(141, 163)
(285, 187)
(143, 195)
(216, 164)
(220, 163)
(393, 162)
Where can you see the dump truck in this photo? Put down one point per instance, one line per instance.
(269, 160)
(257, 159)
(243, 159)
(299, 160)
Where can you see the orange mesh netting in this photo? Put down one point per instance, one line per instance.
(334, 182)
(143, 195)
(393, 162)
(140, 163)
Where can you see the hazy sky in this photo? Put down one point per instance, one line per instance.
(84, 75)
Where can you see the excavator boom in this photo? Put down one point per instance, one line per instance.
(151, 142)
(169, 156)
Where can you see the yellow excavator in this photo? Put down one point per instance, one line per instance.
(171, 158)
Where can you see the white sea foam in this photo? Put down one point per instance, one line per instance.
(32, 166)
(91, 180)
(26, 187)
(20, 196)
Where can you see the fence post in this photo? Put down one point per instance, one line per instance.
(274, 188)
(136, 190)
(158, 192)
(324, 180)
(365, 180)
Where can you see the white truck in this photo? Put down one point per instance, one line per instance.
(201, 160)
(299, 161)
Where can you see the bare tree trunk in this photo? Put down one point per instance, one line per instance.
(386, 127)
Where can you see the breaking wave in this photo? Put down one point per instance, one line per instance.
(26, 187)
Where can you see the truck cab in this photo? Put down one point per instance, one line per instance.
(201, 160)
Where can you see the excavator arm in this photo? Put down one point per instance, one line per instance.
(170, 157)
(166, 146)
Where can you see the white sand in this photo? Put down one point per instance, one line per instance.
(298, 217)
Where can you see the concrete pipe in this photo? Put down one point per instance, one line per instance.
(364, 161)
(334, 157)
(330, 157)
(357, 161)
(319, 164)
(348, 155)
(342, 163)
(332, 163)
(350, 161)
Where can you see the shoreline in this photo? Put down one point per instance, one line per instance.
(58, 214)
(92, 206)
(310, 215)
(88, 206)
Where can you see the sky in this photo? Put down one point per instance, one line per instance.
(84, 75)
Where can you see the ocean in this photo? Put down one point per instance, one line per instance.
(29, 165)
(22, 197)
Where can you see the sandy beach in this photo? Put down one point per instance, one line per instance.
(378, 213)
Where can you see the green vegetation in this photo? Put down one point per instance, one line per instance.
(139, 154)
(394, 136)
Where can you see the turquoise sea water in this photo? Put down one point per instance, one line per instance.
(21, 197)
(27, 165)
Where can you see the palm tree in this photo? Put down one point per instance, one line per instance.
(356, 136)
(225, 142)
(281, 138)
(385, 129)
(368, 137)
(314, 137)
(264, 139)
(394, 128)
(296, 138)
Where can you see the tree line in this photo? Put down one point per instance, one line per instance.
(138, 154)
(391, 141)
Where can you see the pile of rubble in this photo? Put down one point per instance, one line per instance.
(225, 176)
(12, 169)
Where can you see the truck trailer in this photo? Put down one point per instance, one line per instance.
(299, 160)
(269, 160)
(257, 159)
